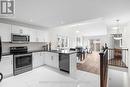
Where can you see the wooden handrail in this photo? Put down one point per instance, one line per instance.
(103, 68)
(118, 57)
(117, 48)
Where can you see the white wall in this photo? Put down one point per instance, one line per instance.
(31, 46)
(103, 38)
(88, 29)
(126, 43)
(111, 43)
(125, 30)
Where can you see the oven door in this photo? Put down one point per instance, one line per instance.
(22, 61)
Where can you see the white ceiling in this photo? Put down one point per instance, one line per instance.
(52, 13)
(94, 27)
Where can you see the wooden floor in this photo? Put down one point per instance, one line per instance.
(91, 63)
(117, 62)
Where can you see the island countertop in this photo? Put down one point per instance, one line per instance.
(53, 51)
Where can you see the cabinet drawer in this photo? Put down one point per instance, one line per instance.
(10, 57)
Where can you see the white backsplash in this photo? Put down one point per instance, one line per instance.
(31, 46)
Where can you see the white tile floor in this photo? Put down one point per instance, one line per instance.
(48, 77)
(117, 78)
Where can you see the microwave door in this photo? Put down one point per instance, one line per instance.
(20, 39)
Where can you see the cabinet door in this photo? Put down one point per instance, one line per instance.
(20, 30)
(42, 36)
(48, 59)
(17, 29)
(45, 36)
(6, 65)
(33, 37)
(52, 59)
(55, 60)
(5, 32)
(41, 59)
(35, 60)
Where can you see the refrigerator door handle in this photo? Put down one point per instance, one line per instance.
(1, 75)
(0, 49)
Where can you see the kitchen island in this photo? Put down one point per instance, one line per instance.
(63, 60)
(60, 60)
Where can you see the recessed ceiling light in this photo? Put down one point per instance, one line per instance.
(31, 20)
(115, 28)
(61, 22)
(77, 31)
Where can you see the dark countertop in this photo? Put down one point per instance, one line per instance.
(54, 51)
(6, 54)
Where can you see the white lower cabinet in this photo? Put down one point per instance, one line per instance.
(48, 58)
(38, 59)
(6, 65)
(52, 59)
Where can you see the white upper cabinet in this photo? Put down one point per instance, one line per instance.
(33, 37)
(5, 32)
(20, 30)
(35, 34)
(42, 36)
(25, 31)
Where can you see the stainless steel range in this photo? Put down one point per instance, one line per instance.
(22, 59)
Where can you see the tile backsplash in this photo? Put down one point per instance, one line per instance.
(31, 46)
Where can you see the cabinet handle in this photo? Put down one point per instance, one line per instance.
(51, 57)
(11, 62)
(21, 31)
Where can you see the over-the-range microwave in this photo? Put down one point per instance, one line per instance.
(20, 38)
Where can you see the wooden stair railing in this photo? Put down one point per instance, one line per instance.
(103, 68)
(118, 57)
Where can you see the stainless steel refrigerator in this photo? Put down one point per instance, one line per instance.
(1, 76)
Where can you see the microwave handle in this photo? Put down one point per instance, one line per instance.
(28, 38)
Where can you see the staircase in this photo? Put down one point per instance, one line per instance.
(118, 57)
(112, 58)
(104, 68)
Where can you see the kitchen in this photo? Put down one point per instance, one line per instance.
(43, 41)
(26, 49)
(22, 51)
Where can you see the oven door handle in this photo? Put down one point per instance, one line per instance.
(23, 55)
